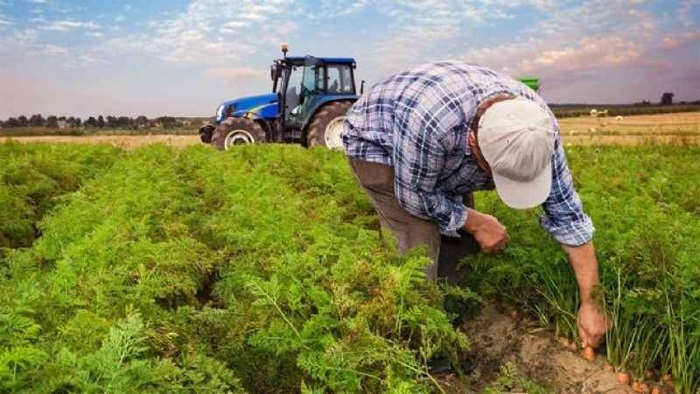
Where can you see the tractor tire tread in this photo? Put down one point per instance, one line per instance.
(237, 123)
(317, 128)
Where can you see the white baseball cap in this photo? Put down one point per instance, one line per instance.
(516, 138)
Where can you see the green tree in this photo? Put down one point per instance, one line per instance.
(12, 122)
(141, 121)
(23, 121)
(52, 122)
(36, 120)
(167, 122)
(667, 98)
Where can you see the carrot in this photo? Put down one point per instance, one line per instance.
(637, 387)
(623, 377)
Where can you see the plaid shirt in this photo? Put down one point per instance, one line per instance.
(418, 122)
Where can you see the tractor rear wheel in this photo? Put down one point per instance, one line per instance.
(327, 126)
(237, 131)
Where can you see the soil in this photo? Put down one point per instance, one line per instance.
(496, 339)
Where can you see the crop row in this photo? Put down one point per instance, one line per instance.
(645, 206)
(32, 176)
(262, 269)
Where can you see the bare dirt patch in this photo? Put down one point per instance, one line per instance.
(497, 339)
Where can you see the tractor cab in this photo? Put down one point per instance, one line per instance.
(305, 84)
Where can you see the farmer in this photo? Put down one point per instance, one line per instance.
(421, 140)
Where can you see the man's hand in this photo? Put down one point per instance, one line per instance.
(487, 231)
(591, 321)
(591, 324)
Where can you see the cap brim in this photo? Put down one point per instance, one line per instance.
(523, 195)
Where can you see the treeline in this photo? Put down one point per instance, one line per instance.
(99, 122)
(643, 108)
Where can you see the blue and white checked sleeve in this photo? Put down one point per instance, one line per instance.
(421, 141)
(564, 217)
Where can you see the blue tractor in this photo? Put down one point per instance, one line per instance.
(309, 99)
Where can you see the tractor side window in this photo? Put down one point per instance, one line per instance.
(313, 79)
(339, 79)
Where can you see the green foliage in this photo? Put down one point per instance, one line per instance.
(261, 269)
(33, 176)
(644, 204)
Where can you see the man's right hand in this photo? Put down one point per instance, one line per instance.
(487, 231)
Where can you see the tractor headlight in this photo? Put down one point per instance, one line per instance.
(220, 113)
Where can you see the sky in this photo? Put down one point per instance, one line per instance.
(182, 58)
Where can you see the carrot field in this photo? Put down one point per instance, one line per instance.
(262, 269)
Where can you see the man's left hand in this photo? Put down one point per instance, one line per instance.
(592, 325)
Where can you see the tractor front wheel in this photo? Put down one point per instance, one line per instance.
(237, 131)
(326, 128)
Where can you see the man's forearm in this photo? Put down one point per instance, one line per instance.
(585, 266)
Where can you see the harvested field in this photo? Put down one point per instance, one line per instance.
(632, 130)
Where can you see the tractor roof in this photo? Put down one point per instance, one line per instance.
(327, 60)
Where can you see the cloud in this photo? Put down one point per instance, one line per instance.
(50, 49)
(685, 10)
(37, 1)
(587, 35)
(68, 25)
(337, 8)
(214, 33)
(676, 40)
(588, 53)
(86, 60)
(4, 21)
(240, 74)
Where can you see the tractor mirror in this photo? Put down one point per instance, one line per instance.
(273, 70)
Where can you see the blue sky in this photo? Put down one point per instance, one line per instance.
(177, 57)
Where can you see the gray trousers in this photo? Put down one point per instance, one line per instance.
(410, 231)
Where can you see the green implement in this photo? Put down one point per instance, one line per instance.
(531, 82)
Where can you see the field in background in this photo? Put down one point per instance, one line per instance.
(582, 110)
(683, 128)
(661, 128)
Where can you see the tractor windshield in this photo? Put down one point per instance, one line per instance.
(313, 79)
(293, 88)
